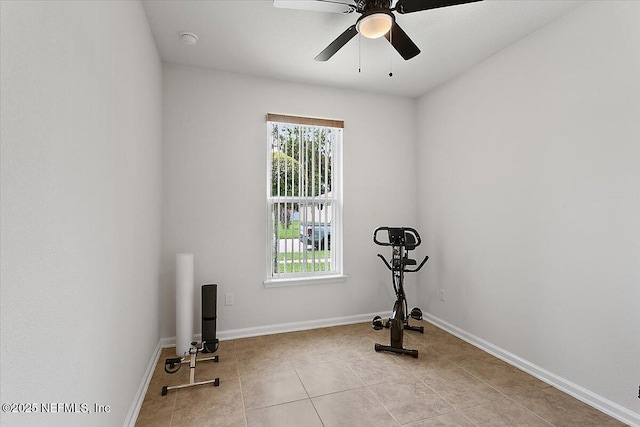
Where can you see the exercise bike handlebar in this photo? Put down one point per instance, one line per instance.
(395, 232)
(385, 262)
(408, 270)
(415, 270)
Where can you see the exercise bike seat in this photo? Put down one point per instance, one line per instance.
(409, 261)
(410, 243)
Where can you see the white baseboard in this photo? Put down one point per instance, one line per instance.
(232, 334)
(167, 342)
(296, 326)
(592, 399)
(134, 410)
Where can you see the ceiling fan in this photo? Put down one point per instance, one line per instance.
(377, 20)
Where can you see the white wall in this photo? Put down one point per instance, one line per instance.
(529, 182)
(81, 157)
(214, 201)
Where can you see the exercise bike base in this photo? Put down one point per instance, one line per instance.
(408, 352)
(414, 328)
(215, 382)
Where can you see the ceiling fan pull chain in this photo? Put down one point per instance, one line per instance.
(391, 52)
(359, 54)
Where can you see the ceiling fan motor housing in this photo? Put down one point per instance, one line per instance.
(364, 6)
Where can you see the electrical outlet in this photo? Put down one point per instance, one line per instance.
(228, 298)
(442, 295)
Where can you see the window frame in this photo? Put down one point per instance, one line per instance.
(315, 277)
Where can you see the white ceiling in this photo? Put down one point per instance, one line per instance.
(254, 37)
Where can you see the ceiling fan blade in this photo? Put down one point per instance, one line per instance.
(401, 42)
(409, 6)
(334, 6)
(335, 45)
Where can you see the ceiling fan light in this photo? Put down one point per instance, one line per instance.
(374, 25)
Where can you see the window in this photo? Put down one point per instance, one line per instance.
(304, 201)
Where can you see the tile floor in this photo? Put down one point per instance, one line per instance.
(333, 377)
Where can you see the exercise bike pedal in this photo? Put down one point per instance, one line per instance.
(376, 323)
(170, 365)
(416, 313)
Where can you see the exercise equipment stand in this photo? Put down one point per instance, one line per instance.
(209, 342)
(171, 363)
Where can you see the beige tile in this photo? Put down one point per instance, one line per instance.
(293, 414)
(259, 366)
(348, 348)
(291, 342)
(262, 372)
(250, 346)
(156, 411)
(225, 349)
(355, 329)
(428, 363)
(503, 412)
(453, 419)
(410, 401)
(504, 377)
(272, 389)
(153, 419)
(411, 339)
(225, 368)
(207, 418)
(224, 399)
(430, 327)
(458, 351)
(441, 342)
(351, 330)
(380, 367)
(161, 378)
(313, 353)
(357, 407)
(328, 377)
(460, 388)
(167, 352)
(487, 368)
(260, 349)
(560, 409)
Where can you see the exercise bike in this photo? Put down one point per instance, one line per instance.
(402, 240)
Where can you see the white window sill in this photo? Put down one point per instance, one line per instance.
(311, 280)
